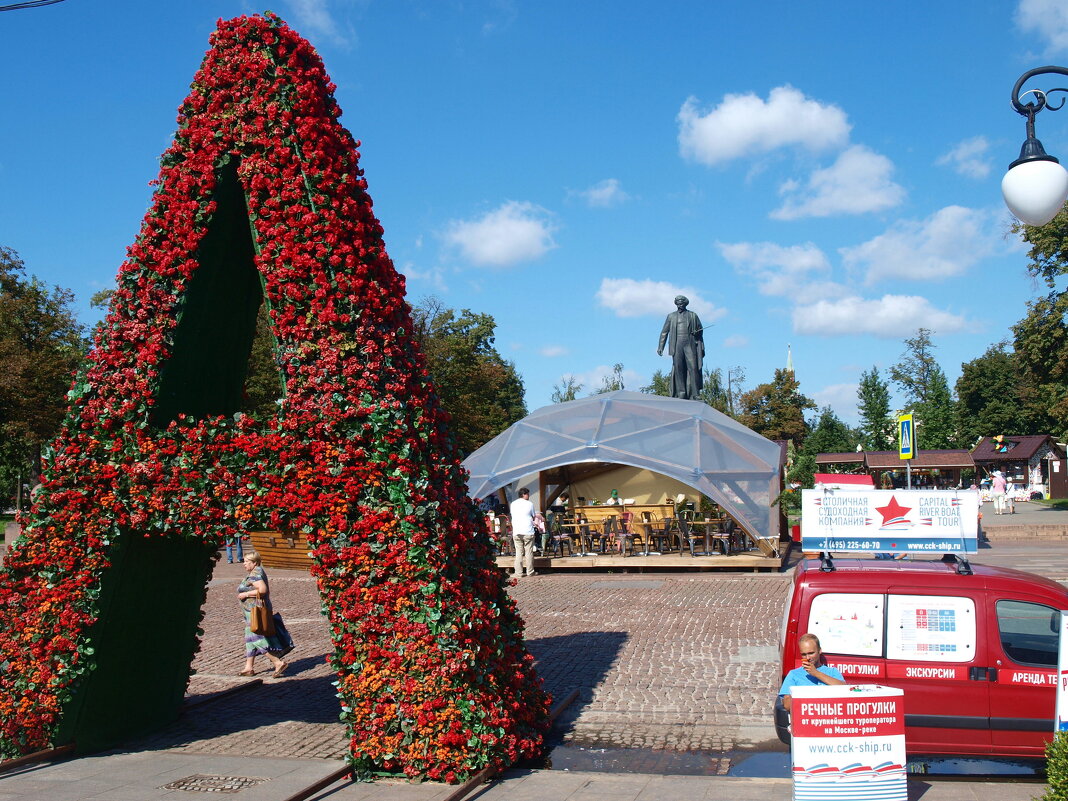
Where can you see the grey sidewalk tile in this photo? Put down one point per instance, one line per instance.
(936, 790)
(732, 789)
(64, 790)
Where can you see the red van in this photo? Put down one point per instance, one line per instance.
(973, 647)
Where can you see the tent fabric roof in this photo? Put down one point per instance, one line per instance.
(688, 441)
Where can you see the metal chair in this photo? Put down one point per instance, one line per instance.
(606, 534)
(560, 539)
(651, 530)
(625, 534)
(503, 534)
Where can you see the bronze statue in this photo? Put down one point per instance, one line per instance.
(687, 350)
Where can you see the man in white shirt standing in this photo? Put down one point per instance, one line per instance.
(522, 512)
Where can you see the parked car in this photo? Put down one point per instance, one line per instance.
(973, 647)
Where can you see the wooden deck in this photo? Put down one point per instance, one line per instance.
(280, 550)
(750, 561)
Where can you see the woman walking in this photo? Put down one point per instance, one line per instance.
(254, 586)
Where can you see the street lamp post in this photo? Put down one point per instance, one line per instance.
(1036, 185)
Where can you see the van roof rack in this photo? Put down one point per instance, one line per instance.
(963, 566)
(826, 565)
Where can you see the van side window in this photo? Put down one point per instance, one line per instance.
(1029, 632)
(930, 628)
(848, 623)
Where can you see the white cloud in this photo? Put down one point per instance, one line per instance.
(552, 351)
(744, 125)
(434, 276)
(968, 158)
(945, 244)
(630, 298)
(1046, 19)
(736, 341)
(604, 194)
(514, 233)
(313, 16)
(777, 269)
(857, 183)
(892, 316)
(842, 398)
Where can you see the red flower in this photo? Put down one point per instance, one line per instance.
(433, 676)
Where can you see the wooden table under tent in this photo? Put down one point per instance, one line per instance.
(638, 481)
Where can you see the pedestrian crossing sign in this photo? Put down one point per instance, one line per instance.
(906, 437)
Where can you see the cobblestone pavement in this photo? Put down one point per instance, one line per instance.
(668, 661)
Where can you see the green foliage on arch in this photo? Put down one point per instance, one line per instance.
(432, 673)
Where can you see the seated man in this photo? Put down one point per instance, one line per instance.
(814, 669)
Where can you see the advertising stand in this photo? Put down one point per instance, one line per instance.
(848, 743)
(890, 521)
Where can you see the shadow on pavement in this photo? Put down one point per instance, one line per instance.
(575, 661)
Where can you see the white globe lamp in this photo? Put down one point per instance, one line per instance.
(1035, 190)
(1036, 185)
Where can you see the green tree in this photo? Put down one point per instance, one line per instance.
(926, 391)
(936, 420)
(478, 387)
(660, 384)
(263, 384)
(714, 392)
(735, 388)
(41, 345)
(914, 372)
(1041, 347)
(777, 409)
(877, 426)
(567, 390)
(828, 435)
(613, 382)
(990, 397)
(1040, 339)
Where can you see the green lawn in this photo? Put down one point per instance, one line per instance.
(1056, 503)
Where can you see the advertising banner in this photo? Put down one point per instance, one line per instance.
(848, 743)
(890, 521)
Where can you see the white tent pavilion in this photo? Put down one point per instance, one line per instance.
(688, 441)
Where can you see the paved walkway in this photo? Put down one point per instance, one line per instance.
(147, 776)
(674, 667)
(1031, 521)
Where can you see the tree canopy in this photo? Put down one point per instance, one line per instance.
(828, 435)
(41, 345)
(480, 389)
(923, 382)
(991, 397)
(877, 427)
(777, 409)
(713, 392)
(1041, 338)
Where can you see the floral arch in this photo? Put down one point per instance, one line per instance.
(260, 199)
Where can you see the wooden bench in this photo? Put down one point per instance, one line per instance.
(281, 550)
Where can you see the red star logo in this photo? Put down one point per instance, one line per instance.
(892, 510)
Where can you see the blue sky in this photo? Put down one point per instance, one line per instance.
(822, 175)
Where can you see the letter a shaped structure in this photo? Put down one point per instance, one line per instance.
(260, 204)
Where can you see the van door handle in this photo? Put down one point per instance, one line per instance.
(982, 674)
